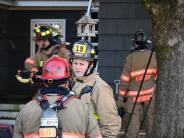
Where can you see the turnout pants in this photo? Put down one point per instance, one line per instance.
(137, 117)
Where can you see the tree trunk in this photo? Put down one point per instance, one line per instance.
(168, 39)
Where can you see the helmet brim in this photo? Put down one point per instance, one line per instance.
(42, 78)
(82, 58)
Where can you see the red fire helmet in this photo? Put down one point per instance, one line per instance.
(55, 68)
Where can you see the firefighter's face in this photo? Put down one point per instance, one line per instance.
(79, 67)
(42, 43)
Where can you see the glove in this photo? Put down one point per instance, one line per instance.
(121, 112)
(120, 102)
(21, 80)
(120, 106)
(24, 76)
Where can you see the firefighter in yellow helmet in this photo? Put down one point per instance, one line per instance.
(56, 112)
(92, 90)
(131, 78)
(48, 40)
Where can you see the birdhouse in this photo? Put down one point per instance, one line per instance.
(86, 27)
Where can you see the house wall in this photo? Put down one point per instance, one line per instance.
(4, 47)
(118, 20)
(17, 25)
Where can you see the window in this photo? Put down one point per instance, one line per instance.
(58, 23)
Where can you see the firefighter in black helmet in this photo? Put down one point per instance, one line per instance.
(140, 41)
(140, 65)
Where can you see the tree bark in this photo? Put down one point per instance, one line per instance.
(168, 39)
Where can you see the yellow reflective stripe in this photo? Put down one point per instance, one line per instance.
(92, 51)
(141, 72)
(41, 64)
(45, 33)
(37, 29)
(125, 78)
(96, 115)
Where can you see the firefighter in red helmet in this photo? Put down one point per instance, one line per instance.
(49, 42)
(92, 90)
(56, 112)
(55, 69)
(136, 66)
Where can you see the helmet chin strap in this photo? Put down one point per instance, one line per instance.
(46, 47)
(90, 69)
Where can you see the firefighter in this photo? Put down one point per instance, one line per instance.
(48, 40)
(131, 77)
(92, 90)
(67, 114)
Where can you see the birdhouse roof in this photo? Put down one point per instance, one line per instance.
(86, 20)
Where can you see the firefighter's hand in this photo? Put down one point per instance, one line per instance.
(121, 112)
(21, 80)
(24, 76)
(120, 102)
(120, 106)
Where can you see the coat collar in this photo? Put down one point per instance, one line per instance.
(87, 78)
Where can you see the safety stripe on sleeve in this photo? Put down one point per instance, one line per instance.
(96, 115)
(124, 78)
(34, 69)
(29, 61)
